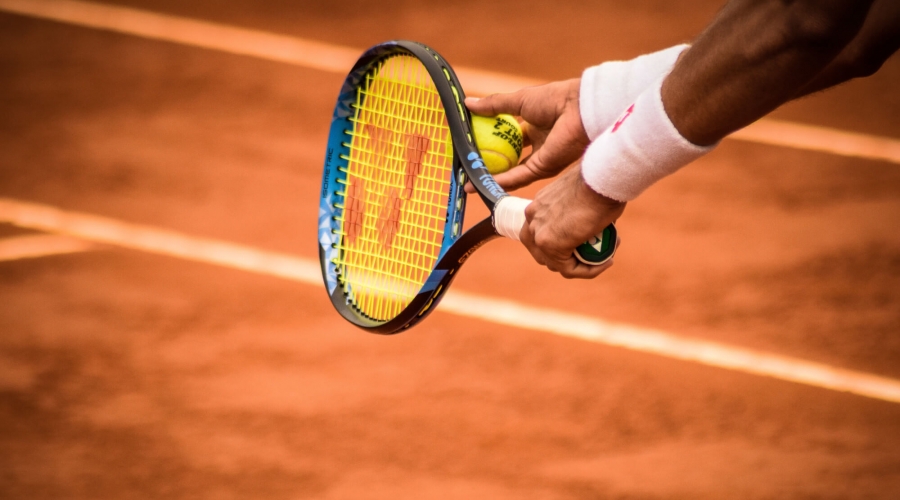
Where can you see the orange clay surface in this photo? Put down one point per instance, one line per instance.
(130, 375)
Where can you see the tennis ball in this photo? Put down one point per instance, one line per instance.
(499, 139)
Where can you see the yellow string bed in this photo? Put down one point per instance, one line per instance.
(397, 187)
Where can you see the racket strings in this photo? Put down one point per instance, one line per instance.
(397, 188)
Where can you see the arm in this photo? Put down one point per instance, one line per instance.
(755, 56)
(563, 117)
(878, 39)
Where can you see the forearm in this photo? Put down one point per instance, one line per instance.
(754, 57)
(875, 42)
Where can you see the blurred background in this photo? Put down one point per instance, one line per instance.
(130, 374)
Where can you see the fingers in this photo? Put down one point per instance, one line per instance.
(563, 145)
(551, 125)
(519, 177)
(547, 161)
(570, 267)
(567, 266)
(526, 236)
(554, 155)
(516, 177)
(573, 269)
(495, 104)
(526, 134)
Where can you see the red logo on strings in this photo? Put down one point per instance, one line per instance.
(394, 200)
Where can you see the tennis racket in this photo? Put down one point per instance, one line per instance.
(400, 150)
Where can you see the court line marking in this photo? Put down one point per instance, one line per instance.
(40, 245)
(820, 139)
(339, 59)
(499, 311)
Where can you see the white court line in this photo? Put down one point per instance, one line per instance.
(460, 303)
(159, 241)
(231, 39)
(339, 59)
(40, 245)
(820, 139)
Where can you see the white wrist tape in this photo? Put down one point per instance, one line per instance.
(607, 89)
(639, 149)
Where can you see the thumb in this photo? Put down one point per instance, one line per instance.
(557, 152)
(514, 178)
(518, 177)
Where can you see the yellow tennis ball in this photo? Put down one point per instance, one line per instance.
(499, 139)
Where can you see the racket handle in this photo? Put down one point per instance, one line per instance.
(509, 217)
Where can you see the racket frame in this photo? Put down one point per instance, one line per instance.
(467, 166)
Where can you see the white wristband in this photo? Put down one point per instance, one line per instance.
(607, 89)
(639, 149)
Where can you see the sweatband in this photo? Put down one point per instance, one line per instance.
(640, 148)
(607, 89)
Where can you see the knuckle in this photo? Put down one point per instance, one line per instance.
(530, 211)
(542, 240)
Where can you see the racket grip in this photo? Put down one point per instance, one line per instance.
(509, 217)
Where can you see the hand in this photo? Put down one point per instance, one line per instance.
(552, 126)
(562, 216)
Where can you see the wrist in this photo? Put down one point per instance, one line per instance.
(586, 194)
(604, 209)
(642, 147)
(607, 89)
(573, 100)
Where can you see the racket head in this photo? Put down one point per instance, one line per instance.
(400, 148)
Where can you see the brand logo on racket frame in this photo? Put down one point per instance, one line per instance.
(469, 253)
(487, 180)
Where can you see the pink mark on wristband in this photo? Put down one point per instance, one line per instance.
(622, 118)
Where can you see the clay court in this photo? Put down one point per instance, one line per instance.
(163, 333)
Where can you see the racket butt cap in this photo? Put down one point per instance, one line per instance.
(599, 249)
